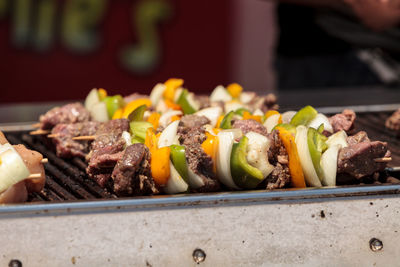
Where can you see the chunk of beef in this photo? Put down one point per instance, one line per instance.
(132, 174)
(357, 160)
(278, 156)
(189, 136)
(191, 121)
(393, 122)
(203, 100)
(202, 165)
(250, 126)
(359, 137)
(107, 148)
(70, 113)
(66, 147)
(198, 161)
(264, 103)
(343, 121)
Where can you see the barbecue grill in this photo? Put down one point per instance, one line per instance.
(73, 221)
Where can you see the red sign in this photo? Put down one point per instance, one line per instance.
(59, 50)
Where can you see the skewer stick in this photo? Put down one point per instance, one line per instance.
(45, 160)
(36, 125)
(53, 135)
(35, 175)
(39, 132)
(85, 137)
(383, 160)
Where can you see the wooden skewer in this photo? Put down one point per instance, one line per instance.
(36, 125)
(39, 132)
(35, 175)
(53, 135)
(383, 160)
(85, 137)
(45, 160)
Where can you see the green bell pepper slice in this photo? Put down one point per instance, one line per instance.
(138, 130)
(137, 114)
(184, 102)
(244, 175)
(240, 111)
(113, 103)
(316, 145)
(226, 122)
(304, 116)
(178, 159)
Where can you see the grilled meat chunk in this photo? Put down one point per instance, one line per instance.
(278, 156)
(393, 122)
(70, 113)
(357, 159)
(132, 174)
(198, 161)
(264, 103)
(107, 149)
(359, 137)
(343, 121)
(191, 121)
(66, 147)
(250, 126)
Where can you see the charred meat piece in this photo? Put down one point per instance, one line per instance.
(203, 100)
(198, 161)
(250, 126)
(106, 150)
(66, 147)
(264, 103)
(70, 113)
(359, 137)
(132, 174)
(278, 156)
(191, 121)
(343, 121)
(357, 160)
(393, 122)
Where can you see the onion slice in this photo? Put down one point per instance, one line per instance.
(223, 159)
(287, 116)
(305, 158)
(156, 94)
(195, 180)
(168, 136)
(12, 167)
(211, 113)
(99, 112)
(271, 122)
(321, 119)
(338, 138)
(220, 94)
(175, 183)
(329, 165)
(165, 118)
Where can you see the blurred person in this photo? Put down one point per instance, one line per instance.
(338, 43)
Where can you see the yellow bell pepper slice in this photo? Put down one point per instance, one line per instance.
(102, 93)
(234, 90)
(131, 106)
(210, 148)
(117, 114)
(247, 116)
(171, 86)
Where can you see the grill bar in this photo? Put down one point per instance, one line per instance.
(66, 180)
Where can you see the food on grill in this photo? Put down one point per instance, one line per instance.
(174, 141)
(393, 122)
(70, 113)
(17, 163)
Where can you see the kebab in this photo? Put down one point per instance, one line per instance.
(21, 172)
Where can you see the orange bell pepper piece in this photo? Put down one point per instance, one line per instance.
(210, 148)
(234, 90)
(154, 119)
(172, 105)
(175, 118)
(219, 121)
(247, 116)
(102, 93)
(296, 172)
(159, 162)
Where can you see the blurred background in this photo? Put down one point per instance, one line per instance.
(57, 50)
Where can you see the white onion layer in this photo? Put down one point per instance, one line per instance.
(225, 143)
(329, 165)
(168, 136)
(175, 183)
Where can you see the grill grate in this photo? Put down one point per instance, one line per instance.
(66, 180)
